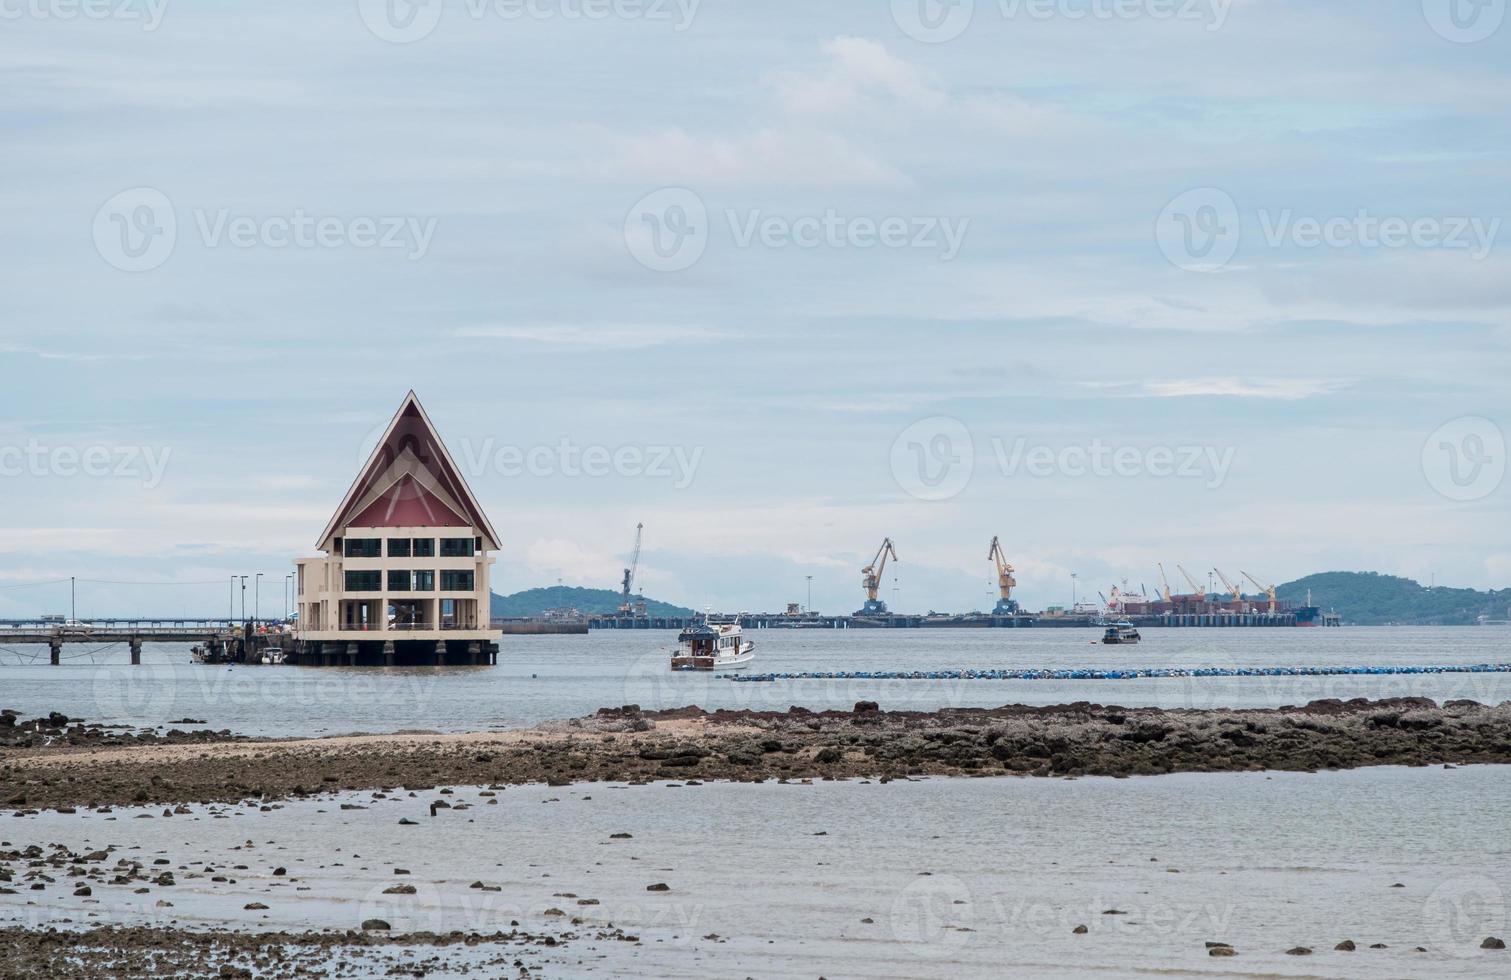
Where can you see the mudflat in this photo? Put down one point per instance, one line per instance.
(627, 744)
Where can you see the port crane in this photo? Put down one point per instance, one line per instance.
(1235, 590)
(1007, 605)
(625, 606)
(1199, 593)
(1164, 583)
(1268, 590)
(870, 577)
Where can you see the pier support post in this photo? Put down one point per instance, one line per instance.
(56, 646)
(136, 651)
(440, 653)
(388, 653)
(351, 654)
(475, 653)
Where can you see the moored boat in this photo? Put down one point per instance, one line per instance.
(1121, 632)
(712, 646)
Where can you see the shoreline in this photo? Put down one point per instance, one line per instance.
(629, 745)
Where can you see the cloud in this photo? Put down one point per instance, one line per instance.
(1283, 389)
(600, 336)
(797, 156)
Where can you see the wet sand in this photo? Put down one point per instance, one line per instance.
(627, 745)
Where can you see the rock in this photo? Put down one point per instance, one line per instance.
(399, 890)
(1222, 951)
(868, 921)
(620, 836)
(85, 890)
(1080, 930)
(255, 907)
(1298, 951)
(659, 887)
(406, 822)
(1492, 943)
(375, 924)
(829, 755)
(280, 872)
(1346, 946)
(866, 707)
(1378, 946)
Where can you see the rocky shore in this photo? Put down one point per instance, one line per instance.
(140, 951)
(627, 745)
(59, 729)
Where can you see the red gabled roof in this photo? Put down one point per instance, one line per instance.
(407, 504)
(410, 436)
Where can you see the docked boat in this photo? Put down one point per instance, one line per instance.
(1121, 632)
(712, 646)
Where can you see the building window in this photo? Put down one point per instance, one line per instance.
(424, 547)
(398, 547)
(367, 581)
(424, 581)
(364, 547)
(455, 581)
(398, 580)
(457, 548)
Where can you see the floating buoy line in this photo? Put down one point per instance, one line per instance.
(1108, 674)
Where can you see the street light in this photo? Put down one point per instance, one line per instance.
(288, 595)
(1072, 591)
(243, 597)
(231, 616)
(257, 597)
(810, 593)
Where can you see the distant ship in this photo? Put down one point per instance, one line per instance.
(1122, 632)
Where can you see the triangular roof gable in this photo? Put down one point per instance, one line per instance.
(406, 503)
(411, 430)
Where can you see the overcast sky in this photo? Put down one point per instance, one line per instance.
(1226, 288)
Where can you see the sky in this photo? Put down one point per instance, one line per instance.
(1124, 282)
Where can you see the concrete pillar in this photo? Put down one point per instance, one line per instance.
(475, 653)
(56, 646)
(351, 654)
(388, 653)
(440, 652)
(136, 651)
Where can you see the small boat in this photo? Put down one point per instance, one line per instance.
(1121, 632)
(712, 646)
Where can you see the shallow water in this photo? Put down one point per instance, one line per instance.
(545, 677)
(977, 877)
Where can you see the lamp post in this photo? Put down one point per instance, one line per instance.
(810, 593)
(1072, 591)
(243, 598)
(231, 616)
(257, 597)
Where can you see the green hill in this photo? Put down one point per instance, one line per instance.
(533, 602)
(1372, 599)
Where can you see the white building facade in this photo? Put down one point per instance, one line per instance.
(405, 573)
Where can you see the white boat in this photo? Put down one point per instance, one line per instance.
(712, 646)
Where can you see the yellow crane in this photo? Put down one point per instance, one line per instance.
(870, 577)
(1199, 593)
(1268, 590)
(1164, 582)
(1235, 592)
(1006, 605)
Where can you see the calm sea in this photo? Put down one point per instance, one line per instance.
(935, 878)
(546, 677)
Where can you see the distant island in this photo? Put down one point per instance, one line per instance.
(1372, 599)
(533, 603)
(1361, 598)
